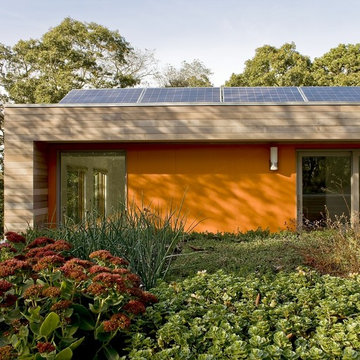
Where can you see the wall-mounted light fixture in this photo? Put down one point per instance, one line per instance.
(273, 158)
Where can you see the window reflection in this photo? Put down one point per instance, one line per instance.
(326, 186)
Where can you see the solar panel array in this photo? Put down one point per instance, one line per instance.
(214, 95)
(336, 93)
(262, 94)
(199, 95)
(102, 96)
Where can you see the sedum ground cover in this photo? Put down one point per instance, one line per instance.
(297, 315)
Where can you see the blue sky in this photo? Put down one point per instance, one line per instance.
(223, 34)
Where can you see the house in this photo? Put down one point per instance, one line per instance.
(241, 158)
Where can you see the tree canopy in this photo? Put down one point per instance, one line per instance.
(190, 74)
(338, 67)
(273, 66)
(70, 55)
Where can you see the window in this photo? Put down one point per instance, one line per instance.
(91, 182)
(328, 184)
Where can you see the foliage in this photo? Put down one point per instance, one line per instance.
(148, 238)
(273, 66)
(1, 169)
(53, 306)
(239, 236)
(300, 315)
(70, 55)
(193, 74)
(333, 247)
(338, 67)
(244, 254)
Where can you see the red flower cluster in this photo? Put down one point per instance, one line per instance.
(148, 298)
(98, 269)
(49, 261)
(115, 260)
(121, 271)
(84, 263)
(61, 305)
(7, 353)
(135, 307)
(33, 291)
(4, 287)
(101, 254)
(51, 291)
(45, 347)
(49, 249)
(117, 321)
(105, 255)
(74, 271)
(40, 241)
(134, 279)
(14, 237)
(97, 289)
(9, 267)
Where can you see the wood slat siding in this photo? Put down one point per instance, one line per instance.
(28, 128)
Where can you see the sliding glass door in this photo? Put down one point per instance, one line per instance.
(91, 182)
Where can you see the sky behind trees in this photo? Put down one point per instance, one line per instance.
(222, 34)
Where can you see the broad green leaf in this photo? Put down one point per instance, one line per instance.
(86, 320)
(75, 344)
(65, 354)
(50, 323)
(35, 328)
(111, 353)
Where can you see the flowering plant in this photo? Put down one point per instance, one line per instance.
(53, 306)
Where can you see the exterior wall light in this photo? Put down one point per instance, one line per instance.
(273, 158)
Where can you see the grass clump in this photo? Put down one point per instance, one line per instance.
(148, 238)
(250, 255)
(334, 250)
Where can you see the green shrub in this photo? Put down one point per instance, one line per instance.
(53, 306)
(146, 237)
(299, 315)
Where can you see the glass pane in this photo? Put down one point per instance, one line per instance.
(326, 187)
(100, 178)
(75, 188)
(92, 182)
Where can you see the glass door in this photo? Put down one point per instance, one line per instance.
(91, 182)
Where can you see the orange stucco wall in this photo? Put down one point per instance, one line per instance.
(223, 187)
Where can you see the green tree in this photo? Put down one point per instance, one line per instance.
(193, 74)
(338, 67)
(70, 55)
(273, 66)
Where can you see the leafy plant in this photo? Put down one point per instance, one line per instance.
(55, 306)
(148, 238)
(298, 315)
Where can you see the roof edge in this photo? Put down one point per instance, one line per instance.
(87, 105)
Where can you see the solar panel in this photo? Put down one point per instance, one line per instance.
(332, 93)
(101, 96)
(178, 95)
(213, 95)
(262, 94)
